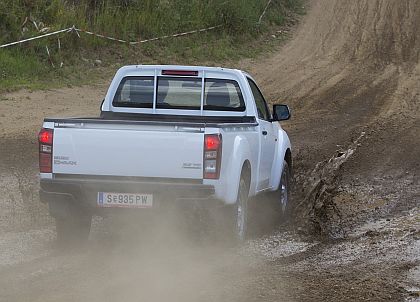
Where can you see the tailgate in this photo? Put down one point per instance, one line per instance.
(146, 151)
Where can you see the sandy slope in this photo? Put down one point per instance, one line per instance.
(353, 67)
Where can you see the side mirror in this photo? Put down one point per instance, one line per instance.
(281, 113)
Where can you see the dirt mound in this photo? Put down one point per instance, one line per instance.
(353, 67)
(376, 31)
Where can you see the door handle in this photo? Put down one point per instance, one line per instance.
(264, 132)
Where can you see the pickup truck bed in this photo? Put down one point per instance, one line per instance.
(157, 149)
(180, 120)
(83, 184)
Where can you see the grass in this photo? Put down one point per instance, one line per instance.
(28, 65)
(19, 70)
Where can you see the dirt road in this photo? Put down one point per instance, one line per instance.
(350, 70)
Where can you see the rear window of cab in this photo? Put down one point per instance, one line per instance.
(179, 93)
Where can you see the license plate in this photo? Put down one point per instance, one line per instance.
(124, 200)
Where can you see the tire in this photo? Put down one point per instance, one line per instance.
(240, 212)
(72, 229)
(282, 195)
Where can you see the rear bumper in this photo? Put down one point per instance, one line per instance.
(84, 191)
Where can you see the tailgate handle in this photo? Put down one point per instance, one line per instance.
(264, 132)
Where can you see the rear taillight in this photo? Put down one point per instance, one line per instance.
(212, 156)
(45, 139)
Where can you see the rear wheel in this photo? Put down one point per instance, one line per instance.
(241, 208)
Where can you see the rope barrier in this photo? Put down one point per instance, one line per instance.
(37, 37)
(265, 10)
(178, 34)
(99, 35)
(77, 30)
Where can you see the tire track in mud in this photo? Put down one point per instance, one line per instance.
(317, 207)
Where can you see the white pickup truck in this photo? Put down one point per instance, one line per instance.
(166, 133)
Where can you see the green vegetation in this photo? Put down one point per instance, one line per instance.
(28, 65)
